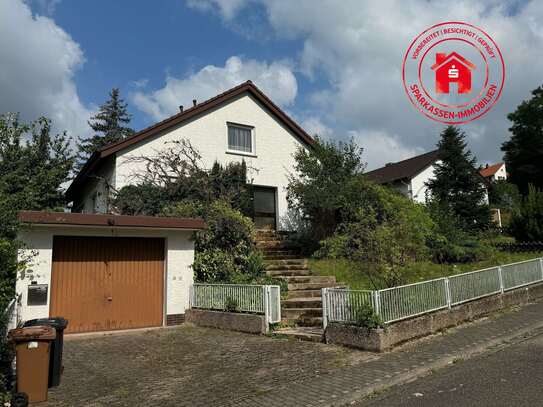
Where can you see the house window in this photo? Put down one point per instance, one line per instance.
(240, 139)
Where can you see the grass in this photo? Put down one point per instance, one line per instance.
(353, 274)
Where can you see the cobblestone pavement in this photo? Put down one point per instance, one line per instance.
(187, 366)
(204, 367)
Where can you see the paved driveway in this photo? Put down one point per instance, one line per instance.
(187, 366)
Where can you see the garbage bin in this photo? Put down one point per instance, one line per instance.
(55, 365)
(32, 351)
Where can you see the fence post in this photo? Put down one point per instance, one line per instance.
(377, 302)
(265, 293)
(448, 292)
(500, 275)
(324, 299)
(541, 266)
(191, 296)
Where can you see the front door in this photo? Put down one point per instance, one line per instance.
(264, 207)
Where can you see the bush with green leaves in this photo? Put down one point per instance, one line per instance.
(389, 232)
(231, 305)
(366, 317)
(527, 221)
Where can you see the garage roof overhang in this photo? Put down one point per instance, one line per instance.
(108, 221)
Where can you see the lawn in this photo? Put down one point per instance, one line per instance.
(352, 273)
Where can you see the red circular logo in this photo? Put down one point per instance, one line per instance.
(453, 72)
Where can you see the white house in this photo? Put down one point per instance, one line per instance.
(239, 124)
(495, 172)
(408, 176)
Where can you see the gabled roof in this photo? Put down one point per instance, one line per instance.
(183, 116)
(442, 58)
(405, 169)
(490, 170)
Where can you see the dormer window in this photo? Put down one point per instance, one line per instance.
(241, 139)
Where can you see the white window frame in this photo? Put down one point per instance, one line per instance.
(252, 153)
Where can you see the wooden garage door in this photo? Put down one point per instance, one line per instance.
(106, 283)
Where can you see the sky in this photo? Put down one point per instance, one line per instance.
(334, 66)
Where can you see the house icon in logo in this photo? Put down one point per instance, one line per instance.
(452, 68)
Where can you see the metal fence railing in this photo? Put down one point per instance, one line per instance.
(397, 303)
(256, 299)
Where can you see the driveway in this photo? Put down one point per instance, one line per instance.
(187, 366)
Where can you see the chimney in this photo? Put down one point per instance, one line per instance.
(193, 102)
(181, 108)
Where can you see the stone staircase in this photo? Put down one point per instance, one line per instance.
(303, 305)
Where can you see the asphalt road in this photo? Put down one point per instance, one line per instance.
(511, 376)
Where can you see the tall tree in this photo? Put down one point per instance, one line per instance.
(524, 151)
(457, 185)
(109, 125)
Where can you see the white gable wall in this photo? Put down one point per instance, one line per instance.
(274, 146)
(418, 186)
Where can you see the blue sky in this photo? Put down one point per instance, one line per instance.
(334, 66)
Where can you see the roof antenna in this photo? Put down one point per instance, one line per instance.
(181, 108)
(193, 102)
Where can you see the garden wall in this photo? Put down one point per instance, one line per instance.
(379, 340)
(233, 321)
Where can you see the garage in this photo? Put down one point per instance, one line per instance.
(107, 283)
(106, 272)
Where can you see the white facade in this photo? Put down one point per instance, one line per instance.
(418, 190)
(38, 240)
(269, 165)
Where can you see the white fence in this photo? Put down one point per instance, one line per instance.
(397, 303)
(255, 299)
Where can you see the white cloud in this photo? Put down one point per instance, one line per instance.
(275, 79)
(314, 126)
(381, 148)
(39, 60)
(358, 48)
(226, 8)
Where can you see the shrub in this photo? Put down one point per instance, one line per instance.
(366, 317)
(527, 222)
(231, 305)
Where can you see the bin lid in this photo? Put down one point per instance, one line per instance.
(34, 333)
(58, 323)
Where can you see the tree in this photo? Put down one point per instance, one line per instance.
(524, 151)
(33, 167)
(457, 185)
(109, 125)
(327, 184)
(527, 222)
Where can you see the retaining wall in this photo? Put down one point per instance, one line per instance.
(379, 340)
(233, 321)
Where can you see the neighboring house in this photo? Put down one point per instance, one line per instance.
(494, 173)
(452, 68)
(239, 124)
(408, 176)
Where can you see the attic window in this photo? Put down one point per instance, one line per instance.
(240, 139)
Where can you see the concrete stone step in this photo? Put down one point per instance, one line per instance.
(315, 322)
(311, 279)
(275, 244)
(283, 266)
(310, 334)
(299, 313)
(273, 262)
(303, 294)
(285, 273)
(280, 256)
(309, 286)
(305, 302)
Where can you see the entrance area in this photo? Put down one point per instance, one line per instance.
(107, 283)
(265, 208)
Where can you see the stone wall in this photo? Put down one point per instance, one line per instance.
(233, 321)
(379, 340)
